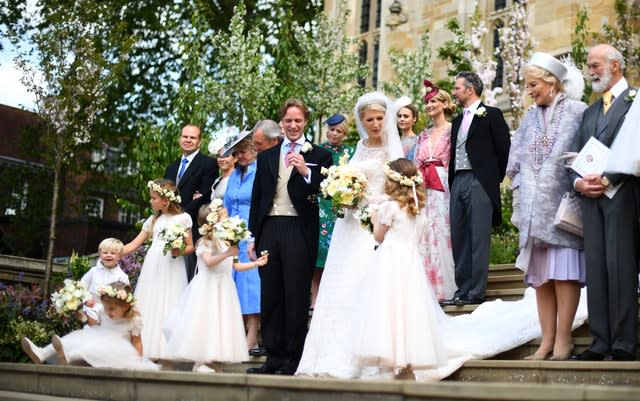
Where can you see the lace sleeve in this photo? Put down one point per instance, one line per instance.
(136, 325)
(186, 220)
(386, 212)
(146, 226)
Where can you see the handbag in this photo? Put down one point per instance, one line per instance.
(569, 214)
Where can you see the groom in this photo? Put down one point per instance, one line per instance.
(284, 221)
(479, 152)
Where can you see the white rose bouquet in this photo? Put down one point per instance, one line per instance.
(174, 237)
(70, 298)
(364, 217)
(232, 230)
(345, 185)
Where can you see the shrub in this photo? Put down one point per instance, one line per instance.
(132, 263)
(504, 239)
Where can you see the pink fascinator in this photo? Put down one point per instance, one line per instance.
(429, 90)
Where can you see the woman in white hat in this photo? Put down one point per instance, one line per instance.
(551, 258)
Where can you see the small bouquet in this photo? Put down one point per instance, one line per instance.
(70, 298)
(345, 185)
(173, 237)
(232, 230)
(364, 217)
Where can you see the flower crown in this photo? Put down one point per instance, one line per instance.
(212, 218)
(402, 179)
(120, 294)
(164, 192)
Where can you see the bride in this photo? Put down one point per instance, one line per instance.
(327, 350)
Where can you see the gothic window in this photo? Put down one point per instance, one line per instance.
(365, 12)
(362, 58)
(498, 80)
(95, 206)
(374, 78)
(378, 12)
(500, 5)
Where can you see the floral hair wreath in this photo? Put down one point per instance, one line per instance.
(164, 192)
(402, 179)
(121, 294)
(212, 218)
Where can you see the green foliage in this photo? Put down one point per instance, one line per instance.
(327, 73)
(77, 266)
(10, 349)
(453, 51)
(579, 43)
(505, 237)
(410, 69)
(625, 36)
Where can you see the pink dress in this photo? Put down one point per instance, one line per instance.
(435, 243)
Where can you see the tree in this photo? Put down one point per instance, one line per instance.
(68, 79)
(515, 46)
(579, 41)
(329, 69)
(410, 68)
(625, 35)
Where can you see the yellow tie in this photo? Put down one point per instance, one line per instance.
(606, 100)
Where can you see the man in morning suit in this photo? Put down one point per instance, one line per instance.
(284, 220)
(194, 174)
(610, 238)
(479, 151)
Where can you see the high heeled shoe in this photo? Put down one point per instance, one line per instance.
(537, 356)
(562, 357)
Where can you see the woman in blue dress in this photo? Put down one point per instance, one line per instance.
(237, 201)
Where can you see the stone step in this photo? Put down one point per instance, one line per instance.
(506, 281)
(14, 396)
(550, 372)
(513, 380)
(508, 268)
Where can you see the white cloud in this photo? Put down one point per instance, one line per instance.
(12, 92)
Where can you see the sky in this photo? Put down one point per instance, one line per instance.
(12, 92)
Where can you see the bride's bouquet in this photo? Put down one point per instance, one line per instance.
(70, 298)
(232, 230)
(173, 237)
(345, 185)
(364, 217)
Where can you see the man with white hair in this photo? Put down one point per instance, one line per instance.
(266, 134)
(611, 233)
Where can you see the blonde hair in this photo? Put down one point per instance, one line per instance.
(111, 244)
(444, 97)
(534, 72)
(117, 286)
(174, 207)
(371, 106)
(404, 194)
(209, 239)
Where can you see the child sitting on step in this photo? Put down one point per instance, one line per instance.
(111, 341)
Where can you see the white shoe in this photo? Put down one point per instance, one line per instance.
(35, 353)
(57, 345)
(202, 368)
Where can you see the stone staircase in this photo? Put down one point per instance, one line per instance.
(504, 377)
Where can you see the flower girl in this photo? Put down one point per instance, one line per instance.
(206, 324)
(112, 341)
(163, 277)
(399, 329)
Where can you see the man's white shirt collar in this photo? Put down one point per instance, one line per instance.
(474, 106)
(620, 86)
(191, 156)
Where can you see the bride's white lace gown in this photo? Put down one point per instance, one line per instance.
(330, 349)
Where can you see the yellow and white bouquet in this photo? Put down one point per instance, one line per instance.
(70, 298)
(174, 237)
(232, 230)
(345, 185)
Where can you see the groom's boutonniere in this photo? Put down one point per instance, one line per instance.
(630, 96)
(306, 147)
(481, 111)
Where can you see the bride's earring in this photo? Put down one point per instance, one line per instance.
(550, 92)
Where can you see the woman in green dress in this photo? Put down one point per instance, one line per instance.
(337, 124)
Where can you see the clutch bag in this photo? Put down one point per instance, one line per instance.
(569, 214)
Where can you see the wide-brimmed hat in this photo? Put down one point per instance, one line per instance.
(233, 141)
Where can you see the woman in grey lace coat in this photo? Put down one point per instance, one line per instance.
(551, 258)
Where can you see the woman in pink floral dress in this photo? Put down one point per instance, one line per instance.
(432, 159)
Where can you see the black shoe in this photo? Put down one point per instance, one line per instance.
(261, 370)
(449, 302)
(619, 355)
(468, 301)
(587, 355)
(284, 372)
(258, 351)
